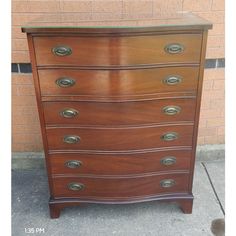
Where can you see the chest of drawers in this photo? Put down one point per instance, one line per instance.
(119, 108)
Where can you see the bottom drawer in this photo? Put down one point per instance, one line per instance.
(119, 188)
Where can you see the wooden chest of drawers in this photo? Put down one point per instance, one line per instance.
(119, 109)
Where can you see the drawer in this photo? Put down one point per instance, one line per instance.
(119, 113)
(108, 83)
(119, 164)
(119, 138)
(115, 50)
(119, 188)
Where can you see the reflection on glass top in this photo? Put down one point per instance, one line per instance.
(89, 20)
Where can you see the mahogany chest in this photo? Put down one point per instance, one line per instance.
(119, 108)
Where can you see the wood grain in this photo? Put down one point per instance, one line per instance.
(121, 113)
(103, 51)
(113, 83)
(117, 139)
(119, 188)
(119, 164)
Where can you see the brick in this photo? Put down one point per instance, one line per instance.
(218, 29)
(218, 52)
(197, 5)
(202, 123)
(26, 110)
(168, 7)
(200, 140)
(14, 90)
(215, 41)
(23, 100)
(25, 90)
(219, 84)
(106, 16)
(20, 6)
(214, 139)
(22, 79)
(136, 7)
(205, 104)
(215, 122)
(20, 19)
(107, 6)
(25, 119)
(17, 34)
(207, 84)
(210, 74)
(27, 128)
(39, 6)
(210, 131)
(26, 138)
(211, 139)
(19, 45)
(76, 6)
(29, 147)
(213, 16)
(221, 130)
(211, 113)
(219, 103)
(20, 57)
(221, 139)
(218, 5)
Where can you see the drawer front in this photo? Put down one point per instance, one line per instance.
(120, 164)
(108, 83)
(109, 51)
(119, 187)
(119, 138)
(119, 113)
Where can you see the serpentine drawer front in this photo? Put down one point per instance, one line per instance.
(119, 108)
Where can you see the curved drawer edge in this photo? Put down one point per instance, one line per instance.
(145, 198)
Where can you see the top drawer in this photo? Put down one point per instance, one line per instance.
(117, 50)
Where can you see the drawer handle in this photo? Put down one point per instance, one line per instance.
(171, 110)
(168, 161)
(65, 82)
(174, 48)
(69, 113)
(169, 136)
(62, 51)
(172, 80)
(71, 139)
(167, 183)
(76, 186)
(73, 164)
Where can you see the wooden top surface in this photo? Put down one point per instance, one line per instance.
(73, 22)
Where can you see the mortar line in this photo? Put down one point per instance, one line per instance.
(214, 190)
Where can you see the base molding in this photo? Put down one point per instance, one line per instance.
(185, 202)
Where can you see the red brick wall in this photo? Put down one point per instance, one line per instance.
(26, 132)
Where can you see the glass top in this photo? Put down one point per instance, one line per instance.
(79, 20)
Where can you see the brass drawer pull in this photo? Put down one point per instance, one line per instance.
(174, 48)
(62, 51)
(168, 161)
(73, 164)
(167, 183)
(169, 136)
(65, 82)
(171, 110)
(69, 113)
(71, 139)
(172, 80)
(76, 186)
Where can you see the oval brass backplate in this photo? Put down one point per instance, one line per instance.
(73, 164)
(76, 186)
